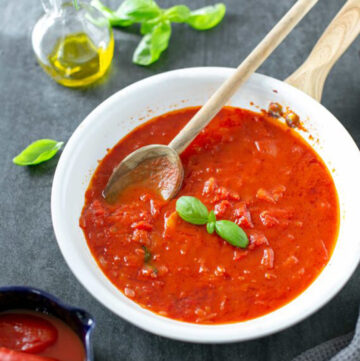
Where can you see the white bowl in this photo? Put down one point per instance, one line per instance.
(134, 105)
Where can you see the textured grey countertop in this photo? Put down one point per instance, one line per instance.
(32, 106)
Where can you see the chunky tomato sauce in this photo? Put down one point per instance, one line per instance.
(251, 170)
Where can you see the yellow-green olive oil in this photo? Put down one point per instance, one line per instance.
(76, 61)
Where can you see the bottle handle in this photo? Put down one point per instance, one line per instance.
(51, 6)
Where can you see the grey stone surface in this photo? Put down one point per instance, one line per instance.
(32, 106)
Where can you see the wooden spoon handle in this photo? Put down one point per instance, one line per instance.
(337, 37)
(242, 73)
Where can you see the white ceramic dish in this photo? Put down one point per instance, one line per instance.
(132, 106)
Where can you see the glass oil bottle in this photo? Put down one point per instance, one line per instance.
(73, 42)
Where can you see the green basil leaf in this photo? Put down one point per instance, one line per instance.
(191, 210)
(177, 14)
(137, 11)
(148, 26)
(232, 233)
(129, 12)
(114, 19)
(153, 44)
(38, 152)
(207, 17)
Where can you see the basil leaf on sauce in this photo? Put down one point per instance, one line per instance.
(153, 44)
(207, 17)
(38, 152)
(232, 233)
(192, 210)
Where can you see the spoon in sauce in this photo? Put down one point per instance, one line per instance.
(159, 166)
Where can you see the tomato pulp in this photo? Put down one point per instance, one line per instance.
(251, 170)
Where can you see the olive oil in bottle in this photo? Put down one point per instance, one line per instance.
(75, 61)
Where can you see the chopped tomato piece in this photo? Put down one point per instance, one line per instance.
(257, 239)
(278, 192)
(268, 258)
(267, 219)
(218, 193)
(209, 186)
(142, 225)
(264, 195)
(223, 193)
(98, 209)
(267, 147)
(140, 236)
(170, 221)
(22, 332)
(272, 196)
(291, 260)
(242, 216)
(11, 355)
(239, 255)
(221, 207)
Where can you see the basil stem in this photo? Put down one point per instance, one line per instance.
(210, 226)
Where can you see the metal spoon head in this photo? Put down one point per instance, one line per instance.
(157, 166)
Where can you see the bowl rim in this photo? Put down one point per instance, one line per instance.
(158, 326)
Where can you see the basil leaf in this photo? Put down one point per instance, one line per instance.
(232, 233)
(153, 44)
(148, 26)
(207, 17)
(177, 14)
(137, 11)
(129, 12)
(38, 152)
(114, 19)
(191, 210)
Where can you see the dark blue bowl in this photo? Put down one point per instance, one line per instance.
(28, 298)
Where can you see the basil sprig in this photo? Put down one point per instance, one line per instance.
(156, 23)
(193, 211)
(38, 152)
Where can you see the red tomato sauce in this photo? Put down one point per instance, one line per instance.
(252, 170)
(34, 336)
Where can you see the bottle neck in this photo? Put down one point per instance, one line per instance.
(54, 5)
